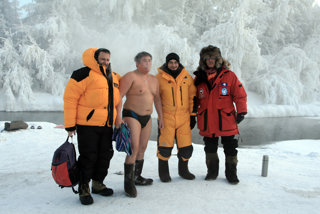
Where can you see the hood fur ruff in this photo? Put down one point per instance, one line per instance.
(211, 51)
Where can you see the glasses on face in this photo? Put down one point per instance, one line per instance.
(210, 57)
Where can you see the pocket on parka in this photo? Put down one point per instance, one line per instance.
(227, 119)
(202, 120)
(90, 114)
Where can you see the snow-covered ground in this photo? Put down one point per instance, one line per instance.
(292, 185)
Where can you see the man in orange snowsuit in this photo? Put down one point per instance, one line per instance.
(90, 101)
(177, 93)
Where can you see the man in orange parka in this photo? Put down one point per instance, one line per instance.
(218, 89)
(90, 101)
(177, 92)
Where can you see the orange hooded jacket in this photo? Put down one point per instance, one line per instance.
(86, 97)
(177, 95)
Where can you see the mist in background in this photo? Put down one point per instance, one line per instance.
(273, 46)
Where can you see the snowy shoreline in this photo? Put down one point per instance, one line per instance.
(292, 185)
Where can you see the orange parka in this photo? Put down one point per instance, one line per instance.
(87, 99)
(177, 95)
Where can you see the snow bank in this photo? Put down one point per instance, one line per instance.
(292, 185)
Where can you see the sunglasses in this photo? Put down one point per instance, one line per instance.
(211, 57)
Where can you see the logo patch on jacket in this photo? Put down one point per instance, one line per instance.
(224, 91)
(201, 93)
(224, 84)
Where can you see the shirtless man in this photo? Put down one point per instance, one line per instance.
(141, 90)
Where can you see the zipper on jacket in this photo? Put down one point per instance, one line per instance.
(220, 120)
(205, 119)
(181, 95)
(108, 76)
(173, 96)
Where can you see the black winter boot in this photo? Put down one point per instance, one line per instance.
(129, 186)
(84, 194)
(184, 171)
(138, 179)
(99, 188)
(163, 168)
(231, 169)
(212, 161)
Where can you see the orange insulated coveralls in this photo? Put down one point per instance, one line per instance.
(177, 97)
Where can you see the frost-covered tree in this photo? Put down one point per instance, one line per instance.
(14, 77)
(272, 45)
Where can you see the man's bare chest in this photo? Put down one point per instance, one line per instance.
(142, 87)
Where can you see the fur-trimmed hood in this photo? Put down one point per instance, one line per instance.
(211, 51)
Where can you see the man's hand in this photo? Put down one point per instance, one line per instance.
(71, 133)
(118, 122)
(192, 122)
(160, 123)
(240, 117)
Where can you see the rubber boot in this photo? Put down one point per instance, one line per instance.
(231, 169)
(212, 161)
(163, 168)
(84, 194)
(129, 186)
(138, 179)
(100, 188)
(184, 171)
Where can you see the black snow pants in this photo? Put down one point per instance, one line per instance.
(96, 151)
(229, 145)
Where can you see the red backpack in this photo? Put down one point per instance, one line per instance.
(64, 167)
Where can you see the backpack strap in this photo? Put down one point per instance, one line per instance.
(75, 191)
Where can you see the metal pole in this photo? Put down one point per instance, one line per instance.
(265, 163)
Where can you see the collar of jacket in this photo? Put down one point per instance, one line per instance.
(201, 76)
(168, 76)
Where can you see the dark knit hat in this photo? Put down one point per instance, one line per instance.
(171, 56)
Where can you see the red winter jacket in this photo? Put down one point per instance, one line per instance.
(216, 111)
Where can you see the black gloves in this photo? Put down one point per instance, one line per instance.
(240, 117)
(192, 121)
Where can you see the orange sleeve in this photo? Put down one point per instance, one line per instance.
(72, 94)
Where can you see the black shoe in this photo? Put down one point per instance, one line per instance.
(101, 189)
(104, 192)
(84, 194)
(138, 179)
(184, 171)
(163, 168)
(129, 186)
(141, 181)
(86, 200)
(212, 162)
(231, 169)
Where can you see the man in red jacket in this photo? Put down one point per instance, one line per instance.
(218, 93)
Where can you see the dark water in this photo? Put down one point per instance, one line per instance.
(253, 131)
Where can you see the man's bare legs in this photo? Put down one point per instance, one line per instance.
(144, 139)
(139, 141)
(135, 130)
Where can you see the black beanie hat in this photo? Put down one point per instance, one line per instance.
(171, 56)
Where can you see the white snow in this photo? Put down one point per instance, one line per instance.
(292, 185)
